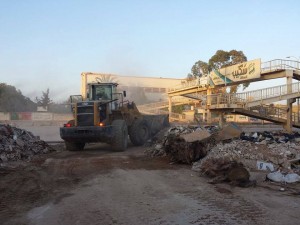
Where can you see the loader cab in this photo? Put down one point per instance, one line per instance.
(102, 92)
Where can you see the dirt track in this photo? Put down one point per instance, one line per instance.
(101, 187)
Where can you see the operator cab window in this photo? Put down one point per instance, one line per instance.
(101, 92)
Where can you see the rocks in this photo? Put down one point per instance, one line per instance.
(156, 150)
(3, 158)
(18, 144)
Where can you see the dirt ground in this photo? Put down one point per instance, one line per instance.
(97, 186)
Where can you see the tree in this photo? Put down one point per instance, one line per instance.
(199, 69)
(45, 100)
(237, 57)
(222, 59)
(12, 100)
(219, 60)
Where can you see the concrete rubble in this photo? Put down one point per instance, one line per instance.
(269, 151)
(228, 132)
(182, 144)
(18, 144)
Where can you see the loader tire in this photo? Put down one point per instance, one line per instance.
(120, 132)
(74, 146)
(166, 122)
(139, 132)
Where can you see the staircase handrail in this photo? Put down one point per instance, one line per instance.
(255, 95)
(279, 64)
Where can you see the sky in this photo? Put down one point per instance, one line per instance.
(47, 44)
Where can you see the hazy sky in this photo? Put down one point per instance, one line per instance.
(49, 43)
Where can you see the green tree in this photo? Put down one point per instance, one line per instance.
(199, 69)
(45, 100)
(237, 57)
(222, 59)
(12, 100)
(219, 60)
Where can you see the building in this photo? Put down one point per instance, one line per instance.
(140, 89)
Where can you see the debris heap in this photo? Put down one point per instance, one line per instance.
(183, 144)
(280, 154)
(18, 144)
(196, 145)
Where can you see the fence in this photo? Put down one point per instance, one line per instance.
(34, 116)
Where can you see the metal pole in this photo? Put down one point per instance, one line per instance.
(298, 109)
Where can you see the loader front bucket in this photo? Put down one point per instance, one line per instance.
(157, 122)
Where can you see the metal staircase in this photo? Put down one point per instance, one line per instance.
(269, 113)
(256, 103)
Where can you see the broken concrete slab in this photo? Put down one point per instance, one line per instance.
(230, 131)
(197, 135)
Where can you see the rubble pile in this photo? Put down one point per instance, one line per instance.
(18, 144)
(155, 144)
(189, 144)
(228, 154)
(249, 153)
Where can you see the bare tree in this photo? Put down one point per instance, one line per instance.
(45, 100)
